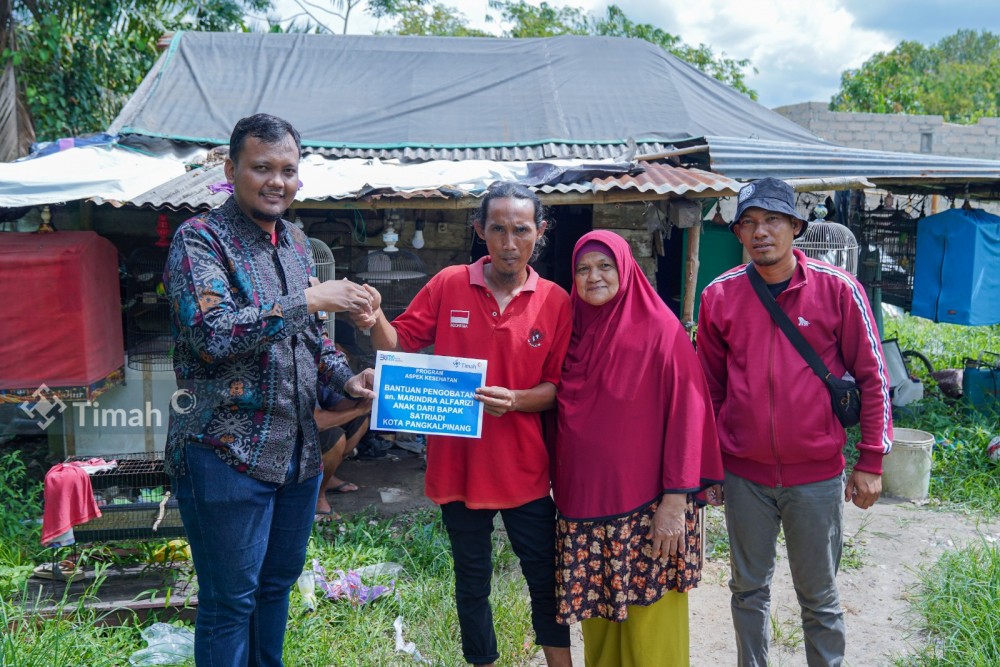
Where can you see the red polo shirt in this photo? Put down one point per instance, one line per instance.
(524, 346)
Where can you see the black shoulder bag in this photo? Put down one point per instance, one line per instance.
(844, 394)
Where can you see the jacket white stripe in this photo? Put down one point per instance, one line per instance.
(871, 334)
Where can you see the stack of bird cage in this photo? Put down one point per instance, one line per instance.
(888, 253)
(135, 499)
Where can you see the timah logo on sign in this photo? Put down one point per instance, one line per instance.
(46, 408)
(460, 319)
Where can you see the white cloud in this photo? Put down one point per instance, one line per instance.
(799, 48)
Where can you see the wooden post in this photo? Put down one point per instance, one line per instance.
(86, 215)
(67, 447)
(691, 276)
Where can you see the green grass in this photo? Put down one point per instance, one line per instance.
(946, 345)
(716, 545)
(786, 635)
(962, 477)
(853, 555)
(337, 632)
(958, 604)
(20, 535)
(76, 638)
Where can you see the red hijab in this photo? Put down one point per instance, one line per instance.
(635, 418)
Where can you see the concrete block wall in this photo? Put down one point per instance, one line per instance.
(898, 132)
(628, 221)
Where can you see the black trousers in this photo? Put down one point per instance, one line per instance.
(531, 529)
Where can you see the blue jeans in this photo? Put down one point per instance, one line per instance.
(248, 541)
(812, 518)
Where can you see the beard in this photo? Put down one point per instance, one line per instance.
(504, 278)
(766, 261)
(257, 214)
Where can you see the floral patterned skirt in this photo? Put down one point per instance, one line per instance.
(604, 566)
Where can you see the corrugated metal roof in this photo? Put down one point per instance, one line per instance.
(546, 151)
(660, 179)
(191, 191)
(747, 159)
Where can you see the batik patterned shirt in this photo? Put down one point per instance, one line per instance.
(248, 355)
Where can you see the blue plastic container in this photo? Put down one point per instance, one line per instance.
(981, 382)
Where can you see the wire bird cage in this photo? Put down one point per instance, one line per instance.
(135, 500)
(832, 243)
(325, 270)
(147, 311)
(398, 276)
(888, 253)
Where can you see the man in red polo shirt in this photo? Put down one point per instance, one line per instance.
(497, 309)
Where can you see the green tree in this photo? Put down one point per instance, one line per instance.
(728, 70)
(416, 18)
(957, 78)
(79, 61)
(541, 21)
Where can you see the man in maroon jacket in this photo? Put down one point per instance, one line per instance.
(781, 441)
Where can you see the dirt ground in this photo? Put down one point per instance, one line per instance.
(398, 480)
(892, 541)
(895, 538)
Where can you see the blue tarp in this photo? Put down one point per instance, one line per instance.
(957, 273)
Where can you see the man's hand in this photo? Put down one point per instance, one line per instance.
(669, 526)
(365, 321)
(337, 296)
(864, 488)
(497, 401)
(361, 385)
(374, 294)
(715, 495)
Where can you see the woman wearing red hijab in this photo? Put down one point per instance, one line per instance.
(635, 441)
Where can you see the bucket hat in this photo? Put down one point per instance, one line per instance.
(770, 194)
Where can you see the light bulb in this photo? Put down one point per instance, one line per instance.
(418, 239)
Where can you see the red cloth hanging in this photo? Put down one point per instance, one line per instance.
(69, 500)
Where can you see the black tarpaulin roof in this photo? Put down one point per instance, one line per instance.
(349, 92)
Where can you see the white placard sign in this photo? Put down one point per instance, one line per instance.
(429, 394)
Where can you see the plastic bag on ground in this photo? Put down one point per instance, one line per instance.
(348, 585)
(405, 646)
(167, 645)
(307, 588)
(388, 569)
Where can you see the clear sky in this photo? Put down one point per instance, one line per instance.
(799, 47)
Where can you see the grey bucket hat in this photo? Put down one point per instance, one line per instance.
(770, 194)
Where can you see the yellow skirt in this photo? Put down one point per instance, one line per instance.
(653, 636)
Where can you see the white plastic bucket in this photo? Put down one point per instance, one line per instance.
(906, 470)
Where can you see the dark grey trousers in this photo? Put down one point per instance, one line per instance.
(811, 516)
